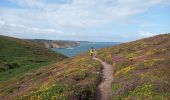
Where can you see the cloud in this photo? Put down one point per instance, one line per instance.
(13, 27)
(42, 16)
(146, 34)
(2, 23)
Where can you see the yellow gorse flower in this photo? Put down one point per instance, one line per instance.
(125, 70)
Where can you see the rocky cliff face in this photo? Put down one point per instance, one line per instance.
(56, 43)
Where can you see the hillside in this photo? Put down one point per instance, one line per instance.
(142, 68)
(12, 47)
(141, 71)
(74, 79)
(27, 72)
(18, 56)
(55, 43)
(14, 51)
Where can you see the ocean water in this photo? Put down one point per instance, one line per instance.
(83, 47)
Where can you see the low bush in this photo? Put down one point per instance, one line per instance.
(12, 65)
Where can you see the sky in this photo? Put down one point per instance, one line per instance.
(84, 20)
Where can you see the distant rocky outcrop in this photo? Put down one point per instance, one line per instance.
(56, 43)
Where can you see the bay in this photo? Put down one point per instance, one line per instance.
(83, 47)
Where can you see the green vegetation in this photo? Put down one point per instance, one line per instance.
(141, 68)
(29, 71)
(141, 72)
(17, 53)
(45, 93)
(18, 57)
(74, 78)
(12, 47)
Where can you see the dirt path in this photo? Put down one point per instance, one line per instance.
(104, 91)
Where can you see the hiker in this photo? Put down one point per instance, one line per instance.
(91, 52)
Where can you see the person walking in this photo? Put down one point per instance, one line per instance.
(91, 52)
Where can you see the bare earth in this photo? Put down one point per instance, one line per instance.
(104, 91)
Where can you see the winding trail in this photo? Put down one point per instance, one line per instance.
(104, 90)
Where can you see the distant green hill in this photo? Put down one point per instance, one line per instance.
(142, 68)
(12, 47)
(18, 56)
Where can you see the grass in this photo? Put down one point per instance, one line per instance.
(12, 73)
(45, 93)
(20, 57)
(141, 72)
(141, 68)
(75, 78)
(13, 47)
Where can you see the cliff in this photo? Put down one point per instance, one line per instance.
(55, 43)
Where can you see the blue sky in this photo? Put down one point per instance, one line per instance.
(86, 20)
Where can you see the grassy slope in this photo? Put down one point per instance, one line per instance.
(75, 78)
(31, 76)
(19, 56)
(142, 68)
(12, 47)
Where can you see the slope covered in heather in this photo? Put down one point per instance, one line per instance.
(141, 72)
(72, 79)
(27, 73)
(142, 68)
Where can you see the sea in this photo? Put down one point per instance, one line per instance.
(83, 47)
